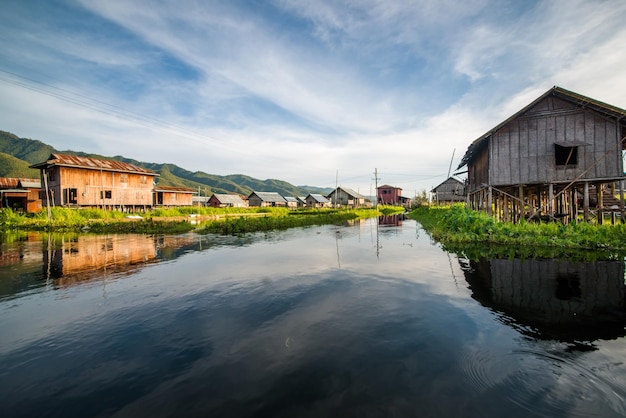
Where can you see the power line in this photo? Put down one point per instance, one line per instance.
(87, 102)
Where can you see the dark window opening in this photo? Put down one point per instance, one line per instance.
(565, 155)
(71, 195)
(105, 194)
(567, 286)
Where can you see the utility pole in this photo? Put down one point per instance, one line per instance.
(376, 178)
(336, 188)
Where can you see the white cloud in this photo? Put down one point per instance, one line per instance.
(298, 90)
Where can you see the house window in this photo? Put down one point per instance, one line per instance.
(565, 156)
(105, 194)
(143, 180)
(71, 195)
(51, 176)
(123, 178)
(173, 197)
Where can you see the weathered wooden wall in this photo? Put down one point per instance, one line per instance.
(127, 189)
(523, 151)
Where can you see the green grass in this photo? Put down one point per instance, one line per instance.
(175, 220)
(457, 226)
(274, 221)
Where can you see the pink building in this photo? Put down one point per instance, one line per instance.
(389, 195)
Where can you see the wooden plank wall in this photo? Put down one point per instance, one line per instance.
(523, 151)
(89, 184)
(556, 292)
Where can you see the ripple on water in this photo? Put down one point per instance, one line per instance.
(548, 384)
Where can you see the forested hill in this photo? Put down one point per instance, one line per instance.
(16, 154)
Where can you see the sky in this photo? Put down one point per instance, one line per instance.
(321, 93)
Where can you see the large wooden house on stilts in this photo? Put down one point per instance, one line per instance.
(558, 157)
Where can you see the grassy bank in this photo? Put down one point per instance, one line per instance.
(177, 220)
(459, 228)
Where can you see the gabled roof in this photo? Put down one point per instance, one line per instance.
(89, 163)
(318, 198)
(17, 183)
(578, 99)
(446, 181)
(290, 199)
(30, 183)
(174, 189)
(8, 182)
(268, 196)
(349, 192)
(232, 199)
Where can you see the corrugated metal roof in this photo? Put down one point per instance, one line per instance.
(269, 196)
(92, 163)
(232, 199)
(290, 199)
(351, 192)
(8, 183)
(174, 189)
(14, 183)
(30, 183)
(319, 198)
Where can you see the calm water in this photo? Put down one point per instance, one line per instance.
(359, 320)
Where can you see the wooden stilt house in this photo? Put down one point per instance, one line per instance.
(558, 157)
(76, 181)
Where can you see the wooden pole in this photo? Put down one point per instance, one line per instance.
(600, 198)
(586, 202)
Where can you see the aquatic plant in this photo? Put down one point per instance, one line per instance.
(457, 224)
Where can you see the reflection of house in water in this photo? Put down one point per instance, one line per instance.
(568, 301)
(390, 220)
(85, 256)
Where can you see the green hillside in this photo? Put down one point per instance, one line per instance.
(11, 166)
(29, 150)
(26, 151)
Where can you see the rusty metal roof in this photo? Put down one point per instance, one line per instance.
(92, 164)
(14, 183)
(8, 183)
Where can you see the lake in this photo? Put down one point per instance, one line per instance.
(368, 319)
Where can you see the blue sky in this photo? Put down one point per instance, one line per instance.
(310, 92)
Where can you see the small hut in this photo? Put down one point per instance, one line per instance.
(452, 190)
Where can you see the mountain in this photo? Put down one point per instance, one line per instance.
(29, 150)
(19, 153)
(11, 166)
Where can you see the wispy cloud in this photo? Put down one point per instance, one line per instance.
(297, 90)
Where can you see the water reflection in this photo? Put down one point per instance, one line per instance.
(34, 260)
(353, 320)
(573, 302)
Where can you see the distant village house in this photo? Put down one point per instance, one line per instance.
(390, 195)
(173, 196)
(452, 190)
(342, 196)
(317, 201)
(226, 201)
(266, 199)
